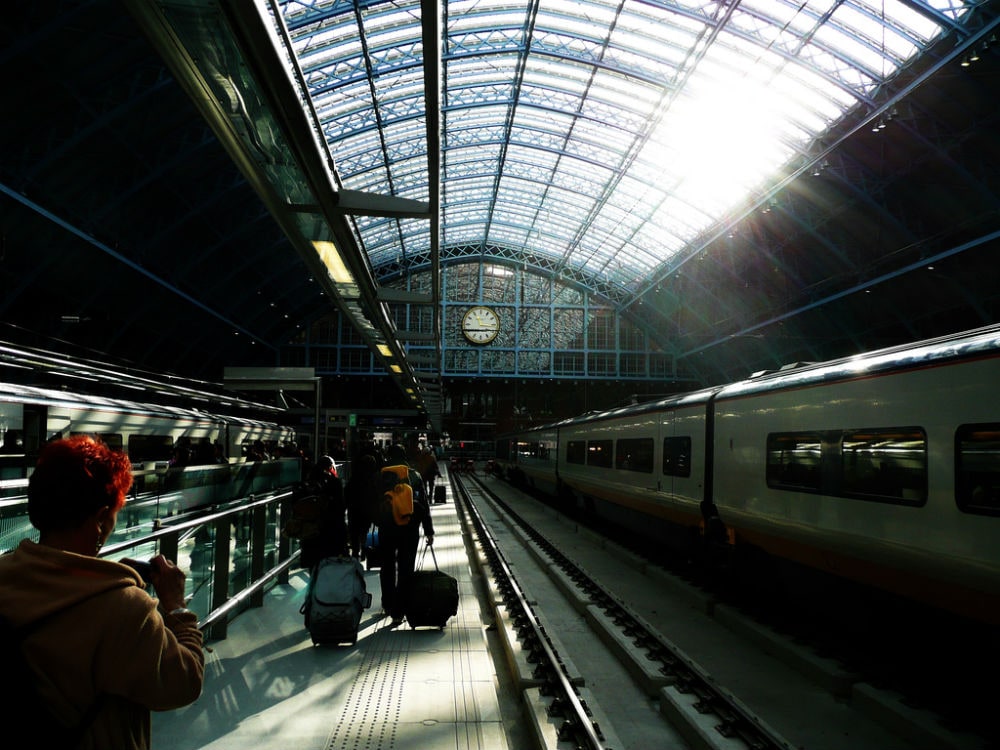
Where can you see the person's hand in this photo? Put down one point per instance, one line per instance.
(430, 540)
(168, 580)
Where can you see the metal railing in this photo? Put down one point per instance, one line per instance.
(231, 557)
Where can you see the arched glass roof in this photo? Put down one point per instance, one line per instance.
(533, 158)
(599, 138)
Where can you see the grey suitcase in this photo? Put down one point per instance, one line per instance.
(335, 600)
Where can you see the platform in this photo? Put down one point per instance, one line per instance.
(267, 686)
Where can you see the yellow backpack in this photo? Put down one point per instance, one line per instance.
(396, 505)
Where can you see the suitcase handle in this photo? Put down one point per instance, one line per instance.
(423, 554)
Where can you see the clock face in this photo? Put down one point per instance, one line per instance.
(480, 325)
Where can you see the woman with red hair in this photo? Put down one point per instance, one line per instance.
(105, 651)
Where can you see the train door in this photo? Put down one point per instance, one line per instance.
(664, 482)
(683, 465)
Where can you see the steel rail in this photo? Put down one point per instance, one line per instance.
(735, 720)
(578, 725)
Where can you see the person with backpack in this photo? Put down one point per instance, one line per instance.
(399, 528)
(97, 652)
(330, 539)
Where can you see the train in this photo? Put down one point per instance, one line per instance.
(222, 446)
(882, 469)
(31, 416)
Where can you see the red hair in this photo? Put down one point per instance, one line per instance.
(74, 477)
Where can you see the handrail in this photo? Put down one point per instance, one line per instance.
(168, 529)
(223, 603)
(241, 598)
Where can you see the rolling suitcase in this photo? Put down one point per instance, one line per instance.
(431, 596)
(335, 600)
(439, 494)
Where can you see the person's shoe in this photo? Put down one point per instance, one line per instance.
(397, 620)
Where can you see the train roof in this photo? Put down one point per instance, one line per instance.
(45, 369)
(674, 401)
(29, 394)
(977, 343)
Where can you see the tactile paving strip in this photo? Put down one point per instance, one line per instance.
(426, 688)
(373, 703)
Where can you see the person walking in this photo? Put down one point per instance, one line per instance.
(398, 542)
(105, 653)
(427, 465)
(331, 541)
(359, 494)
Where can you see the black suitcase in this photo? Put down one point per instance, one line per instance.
(431, 597)
(439, 495)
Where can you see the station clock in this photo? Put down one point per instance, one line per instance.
(480, 325)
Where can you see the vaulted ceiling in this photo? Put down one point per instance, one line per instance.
(131, 227)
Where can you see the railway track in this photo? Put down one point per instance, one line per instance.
(675, 668)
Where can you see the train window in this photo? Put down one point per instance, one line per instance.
(977, 468)
(794, 460)
(599, 453)
(634, 454)
(520, 448)
(677, 456)
(150, 448)
(539, 451)
(885, 464)
(576, 452)
(11, 421)
(111, 439)
(13, 442)
(882, 464)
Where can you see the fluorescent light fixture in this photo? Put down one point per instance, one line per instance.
(330, 256)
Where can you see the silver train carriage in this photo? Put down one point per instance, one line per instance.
(221, 466)
(883, 468)
(31, 416)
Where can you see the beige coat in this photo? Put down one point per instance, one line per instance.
(108, 638)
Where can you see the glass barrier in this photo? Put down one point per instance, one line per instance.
(160, 495)
(224, 553)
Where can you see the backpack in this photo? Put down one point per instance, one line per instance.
(25, 704)
(305, 511)
(396, 501)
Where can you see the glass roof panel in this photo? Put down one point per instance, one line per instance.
(600, 133)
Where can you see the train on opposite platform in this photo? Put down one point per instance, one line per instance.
(881, 468)
(220, 439)
(31, 416)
